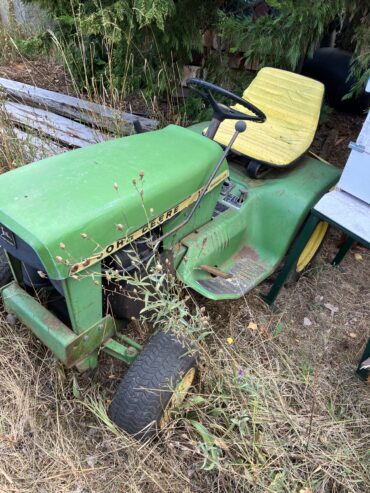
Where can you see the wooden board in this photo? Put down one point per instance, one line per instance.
(75, 108)
(54, 126)
(37, 147)
(26, 147)
(363, 138)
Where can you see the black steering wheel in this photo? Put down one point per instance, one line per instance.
(221, 111)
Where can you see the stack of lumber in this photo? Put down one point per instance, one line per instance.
(53, 122)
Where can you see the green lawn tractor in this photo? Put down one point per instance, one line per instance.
(220, 205)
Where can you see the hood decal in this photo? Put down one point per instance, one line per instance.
(166, 216)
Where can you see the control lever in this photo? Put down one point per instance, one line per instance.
(240, 127)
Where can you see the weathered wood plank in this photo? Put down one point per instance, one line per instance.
(42, 147)
(31, 148)
(75, 108)
(56, 127)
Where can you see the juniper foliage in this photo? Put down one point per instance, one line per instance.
(134, 44)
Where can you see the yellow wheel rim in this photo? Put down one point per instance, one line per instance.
(312, 246)
(178, 396)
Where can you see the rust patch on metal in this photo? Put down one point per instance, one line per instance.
(246, 251)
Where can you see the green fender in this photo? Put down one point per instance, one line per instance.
(250, 242)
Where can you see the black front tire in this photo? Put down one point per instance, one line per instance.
(5, 272)
(146, 389)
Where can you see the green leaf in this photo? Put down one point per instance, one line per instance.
(207, 436)
(75, 388)
(196, 400)
(278, 330)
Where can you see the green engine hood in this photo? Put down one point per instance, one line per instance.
(90, 191)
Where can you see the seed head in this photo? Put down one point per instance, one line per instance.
(59, 259)
(141, 174)
(62, 246)
(115, 186)
(134, 181)
(119, 227)
(84, 236)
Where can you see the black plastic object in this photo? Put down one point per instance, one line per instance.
(255, 169)
(331, 66)
(221, 111)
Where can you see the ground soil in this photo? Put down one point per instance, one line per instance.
(334, 134)
(44, 73)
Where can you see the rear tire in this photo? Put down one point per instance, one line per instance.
(5, 272)
(312, 247)
(309, 253)
(156, 382)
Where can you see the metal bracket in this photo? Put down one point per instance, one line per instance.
(356, 147)
(120, 351)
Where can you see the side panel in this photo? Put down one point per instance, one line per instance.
(201, 216)
(249, 242)
(84, 298)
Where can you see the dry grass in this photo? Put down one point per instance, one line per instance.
(307, 424)
(49, 442)
(280, 413)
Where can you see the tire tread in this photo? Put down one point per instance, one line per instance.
(144, 390)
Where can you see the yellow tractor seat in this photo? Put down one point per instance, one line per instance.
(292, 105)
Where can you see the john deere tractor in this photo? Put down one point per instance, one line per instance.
(220, 205)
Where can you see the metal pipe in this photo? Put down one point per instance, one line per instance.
(212, 128)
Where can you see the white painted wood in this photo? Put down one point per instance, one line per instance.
(363, 138)
(349, 204)
(75, 108)
(56, 127)
(368, 86)
(347, 212)
(355, 178)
